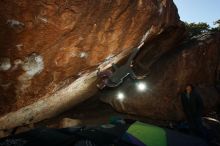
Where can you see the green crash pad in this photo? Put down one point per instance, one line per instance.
(148, 134)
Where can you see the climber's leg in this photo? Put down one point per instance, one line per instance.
(112, 84)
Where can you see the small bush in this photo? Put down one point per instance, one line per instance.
(201, 27)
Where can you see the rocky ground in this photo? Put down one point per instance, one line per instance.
(94, 112)
(89, 113)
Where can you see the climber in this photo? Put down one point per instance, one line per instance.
(115, 78)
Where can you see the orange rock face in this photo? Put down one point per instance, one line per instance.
(48, 45)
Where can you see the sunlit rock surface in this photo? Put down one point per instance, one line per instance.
(50, 50)
(195, 61)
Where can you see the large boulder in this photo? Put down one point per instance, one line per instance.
(50, 49)
(195, 61)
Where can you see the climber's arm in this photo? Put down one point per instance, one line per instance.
(132, 56)
(132, 74)
(98, 72)
(114, 66)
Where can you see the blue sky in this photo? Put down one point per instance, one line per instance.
(199, 10)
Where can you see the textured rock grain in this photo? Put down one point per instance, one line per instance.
(52, 45)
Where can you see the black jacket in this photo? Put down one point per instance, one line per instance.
(192, 106)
